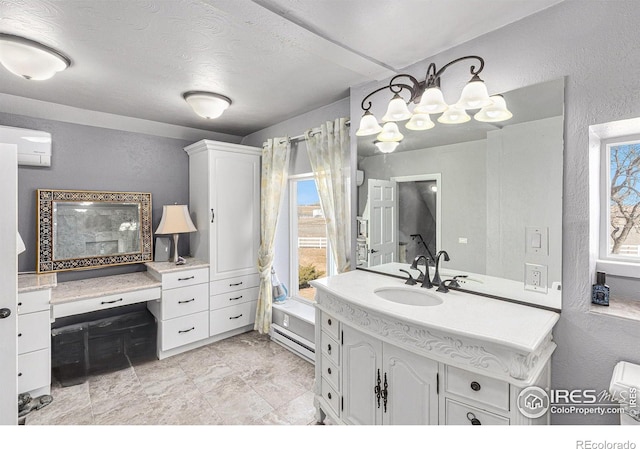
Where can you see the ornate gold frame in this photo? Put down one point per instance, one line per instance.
(46, 198)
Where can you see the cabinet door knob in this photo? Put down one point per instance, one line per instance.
(20, 334)
(474, 421)
(329, 321)
(329, 395)
(475, 386)
(329, 348)
(329, 370)
(5, 313)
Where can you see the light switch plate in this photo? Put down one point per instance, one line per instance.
(537, 240)
(535, 277)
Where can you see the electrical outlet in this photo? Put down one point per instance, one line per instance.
(535, 277)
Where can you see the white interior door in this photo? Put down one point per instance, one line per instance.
(8, 285)
(383, 221)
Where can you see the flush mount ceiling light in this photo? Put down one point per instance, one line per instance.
(429, 100)
(30, 59)
(207, 104)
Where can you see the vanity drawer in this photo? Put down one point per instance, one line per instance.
(184, 330)
(233, 298)
(479, 388)
(330, 373)
(330, 349)
(233, 317)
(105, 302)
(34, 370)
(34, 331)
(457, 414)
(185, 301)
(233, 284)
(331, 396)
(330, 325)
(185, 278)
(34, 301)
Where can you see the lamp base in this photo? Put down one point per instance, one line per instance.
(176, 258)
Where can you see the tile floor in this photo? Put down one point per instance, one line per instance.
(246, 379)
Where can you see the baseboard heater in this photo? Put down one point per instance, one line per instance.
(299, 345)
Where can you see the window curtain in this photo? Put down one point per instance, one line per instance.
(328, 151)
(275, 172)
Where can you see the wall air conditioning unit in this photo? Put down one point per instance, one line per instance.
(34, 147)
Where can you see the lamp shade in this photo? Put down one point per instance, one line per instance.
(175, 220)
(386, 147)
(454, 115)
(207, 104)
(390, 133)
(432, 102)
(368, 125)
(397, 110)
(474, 95)
(20, 244)
(29, 59)
(496, 112)
(420, 122)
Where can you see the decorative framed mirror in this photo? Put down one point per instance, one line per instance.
(79, 230)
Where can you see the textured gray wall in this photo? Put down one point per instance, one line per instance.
(91, 158)
(594, 45)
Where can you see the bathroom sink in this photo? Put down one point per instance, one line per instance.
(408, 296)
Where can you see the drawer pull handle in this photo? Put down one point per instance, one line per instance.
(474, 421)
(329, 321)
(235, 317)
(236, 284)
(329, 370)
(329, 349)
(475, 386)
(188, 330)
(186, 279)
(111, 302)
(186, 301)
(237, 297)
(329, 395)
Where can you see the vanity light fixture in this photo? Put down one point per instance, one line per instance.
(175, 220)
(429, 100)
(386, 147)
(30, 59)
(207, 104)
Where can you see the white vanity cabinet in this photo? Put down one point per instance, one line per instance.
(464, 361)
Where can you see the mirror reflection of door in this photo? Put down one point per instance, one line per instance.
(417, 219)
(383, 221)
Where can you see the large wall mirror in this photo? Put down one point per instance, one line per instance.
(83, 229)
(488, 194)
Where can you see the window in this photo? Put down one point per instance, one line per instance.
(310, 257)
(620, 202)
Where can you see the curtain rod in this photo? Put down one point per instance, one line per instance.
(301, 136)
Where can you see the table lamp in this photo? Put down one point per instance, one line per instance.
(175, 220)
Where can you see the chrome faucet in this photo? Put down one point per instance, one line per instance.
(436, 276)
(426, 280)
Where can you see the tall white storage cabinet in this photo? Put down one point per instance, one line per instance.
(224, 201)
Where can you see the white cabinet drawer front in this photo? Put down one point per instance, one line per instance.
(185, 329)
(330, 373)
(330, 325)
(34, 331)
(185, 301)
(477, 387)
(235, 283)
(331, 396)
(233, 298)
(34, 301)
(229, 318)
(459, 414)
(34, 370)
(105, 302)
(185, 278)
(331, 349)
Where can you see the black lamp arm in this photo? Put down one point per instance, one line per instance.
(433, 75)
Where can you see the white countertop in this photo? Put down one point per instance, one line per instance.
(32, 282)
(102, 286)
(517, 326)
(170, 267)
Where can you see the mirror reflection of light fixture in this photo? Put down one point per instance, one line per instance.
(390, 133)
(429, 99)
(207, 104)
(30, 59)
(495, 112)
(386, 147)
(175, 220)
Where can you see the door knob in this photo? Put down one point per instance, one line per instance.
(5, 313)
(373, 251)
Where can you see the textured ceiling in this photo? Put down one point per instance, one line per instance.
(274, 58)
